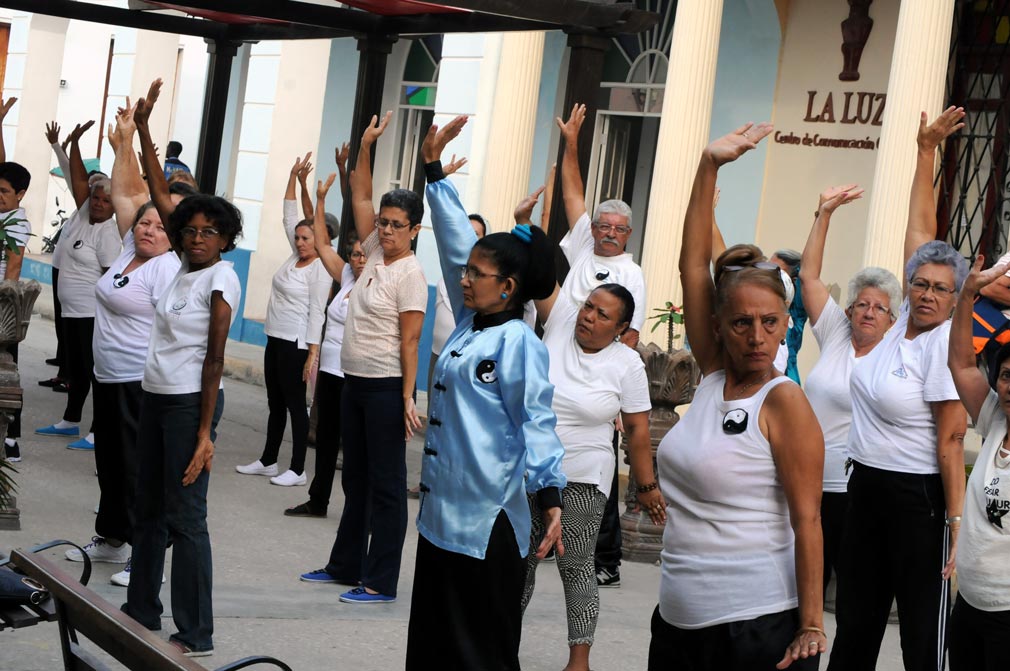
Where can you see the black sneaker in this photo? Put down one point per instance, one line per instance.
(305, 510)
(604, 578)
(13, 452)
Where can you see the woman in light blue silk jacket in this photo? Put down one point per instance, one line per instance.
(490, 440)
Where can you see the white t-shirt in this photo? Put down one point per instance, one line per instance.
(983, 546)
(87, 249)
(182, 326)
(892, 422)
(827, 389)
(336, 317)
(297, 305)
(589, 391)
(19, 231)
(727, 546)
(124, 313)
(445, 323)
(372, 332)
(589, 271)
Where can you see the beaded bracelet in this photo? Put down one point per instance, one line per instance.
(641, 489)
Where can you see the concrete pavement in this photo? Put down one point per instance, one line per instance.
(260, 605)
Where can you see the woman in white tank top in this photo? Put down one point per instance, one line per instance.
(741, 472)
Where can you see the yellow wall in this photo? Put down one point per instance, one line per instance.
(811, 60)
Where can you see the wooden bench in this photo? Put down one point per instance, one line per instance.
(79, 610)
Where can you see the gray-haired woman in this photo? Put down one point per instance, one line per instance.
(907, 485)
(844, 337)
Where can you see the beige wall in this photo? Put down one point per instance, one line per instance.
(811, 60)
(297, 118)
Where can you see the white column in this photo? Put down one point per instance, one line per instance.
(513, 123)
(915, 84)
(683, 133)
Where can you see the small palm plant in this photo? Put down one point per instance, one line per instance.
(671, 315)
(7, 486)
(9, 243)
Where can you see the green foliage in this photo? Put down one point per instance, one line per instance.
(669, 315)
(7, 241)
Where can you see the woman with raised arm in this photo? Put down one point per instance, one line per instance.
(741, 472)
(89, 244)
(330, 382)
(490, 440)
(379, 360)
(906, 489)
(844, 337)
(980, 621)
(596, 378)
(294, 328)
(124, 315)
(182, 402)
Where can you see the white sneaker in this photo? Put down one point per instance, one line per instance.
(99, 550)
(289, 479)
(123, 577)
(257, 468)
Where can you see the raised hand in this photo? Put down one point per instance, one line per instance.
(830, 199)
(323, 188)
(375, 129)
(340, 155)
(524, 210)
(453, 165)
(79, 130)
(125, 119)
(930, 136)
(730, 147)
(52, 133)
(436, 138)
(303, 172)
(6, 106)
(570, 129)
(146, 104)
(979, 278)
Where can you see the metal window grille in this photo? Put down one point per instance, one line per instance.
(973, 209)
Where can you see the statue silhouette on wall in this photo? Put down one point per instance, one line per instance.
(855, 31)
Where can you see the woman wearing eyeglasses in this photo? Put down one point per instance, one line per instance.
(379, 360)
(844, 337)
(330, 382)
(906, 488)
(182, 403)
(740, 587)
(490, 440)
(294, 328)
(125, 297)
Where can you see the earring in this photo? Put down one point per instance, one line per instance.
(504, 296)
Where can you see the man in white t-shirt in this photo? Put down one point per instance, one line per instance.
(595, 249)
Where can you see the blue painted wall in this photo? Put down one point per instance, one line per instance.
(744, 91)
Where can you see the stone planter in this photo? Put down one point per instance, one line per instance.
(673, 377)
(16, 302)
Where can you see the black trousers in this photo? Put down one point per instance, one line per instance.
(979, 640)
(833, 506)
(747, 645)
(61, 352)
(608, 543)
(14, 428)
(465, 613)
(283, 364)
(117, 419)
(77, 335)
(328, 391)
(374, 479)
(895, 545)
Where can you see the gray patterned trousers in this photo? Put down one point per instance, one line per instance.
(580, 525)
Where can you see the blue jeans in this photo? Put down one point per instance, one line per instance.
(374, 479)
(167, 510)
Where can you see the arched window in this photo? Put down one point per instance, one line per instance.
(415, 110)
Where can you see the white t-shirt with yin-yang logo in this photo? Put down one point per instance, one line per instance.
(182, 326)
